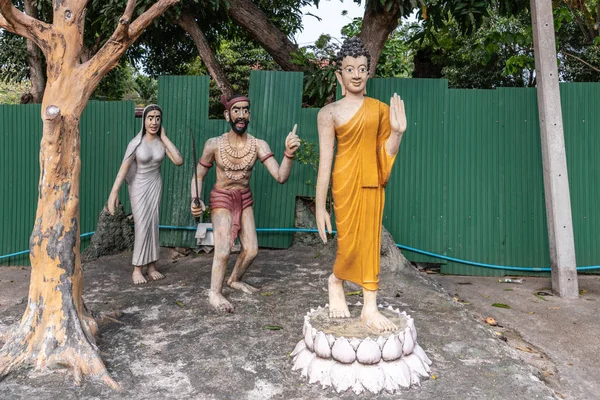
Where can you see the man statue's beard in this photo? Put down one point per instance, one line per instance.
(239, 131)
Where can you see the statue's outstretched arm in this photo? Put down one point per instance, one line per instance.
(397, 123)
(326, 142)
(281, 173)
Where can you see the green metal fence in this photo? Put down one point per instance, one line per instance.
(467, 182)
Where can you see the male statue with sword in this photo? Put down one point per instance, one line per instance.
(234, 154)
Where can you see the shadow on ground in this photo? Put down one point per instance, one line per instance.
(169, 344)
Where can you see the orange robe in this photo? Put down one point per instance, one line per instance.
(362, 169)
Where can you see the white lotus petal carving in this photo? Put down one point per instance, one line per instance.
(299, 347)
(319, 370)
(413, 330)
(322, 346)
(308, 339)
(342, 377)
(303, 360)
(331, 339)
(381, 341)
(343, 352)
(416, 365)
(369, 364)
(392, 349)
(409, 343)
(368, 352)
(417, 350)
(355, 343)
(372, 377)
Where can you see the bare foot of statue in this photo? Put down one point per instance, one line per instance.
(138, 276)
(244, 287)
(154, 274)
(371, 316)
(219, 302)
(338, 308)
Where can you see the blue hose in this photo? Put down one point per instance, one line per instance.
(307, 230)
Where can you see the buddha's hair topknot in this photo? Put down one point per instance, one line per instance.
(352, 47)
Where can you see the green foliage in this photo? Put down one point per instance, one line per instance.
(116, 84)
(13, 58)
(11, 92)
(237, 58)
(500, 51)
(307, 154)
(319, 78)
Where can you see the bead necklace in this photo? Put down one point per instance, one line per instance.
(237, 162)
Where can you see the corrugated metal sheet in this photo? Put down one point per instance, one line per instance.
(467, 182)
(581, 120)
(105, 129)
(473, 180)
(415, 195)
(184, 100)
(20, 132)
(276, 103)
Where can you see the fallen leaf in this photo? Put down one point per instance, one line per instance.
(525, 349)
(532, 312)
(266, 294)
(355, 293)
(433, 377)
(553, 308)
(273, 327)
(539, 297)
(583, 291)
(500, 305)
(508, 290)
(180, 303)
(491, 321)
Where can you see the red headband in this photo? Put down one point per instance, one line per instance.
(231, 102)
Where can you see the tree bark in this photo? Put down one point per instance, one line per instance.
(376, 28)
(247, 15)
(56, 329)
(187, 21)
(35, 60)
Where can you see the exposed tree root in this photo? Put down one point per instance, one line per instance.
(45, 345)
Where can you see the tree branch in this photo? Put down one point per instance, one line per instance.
(189, 24)
(141, 23)
(125, 34)
(122, 31)
(17, 22)
(250, 17)
(582, 61)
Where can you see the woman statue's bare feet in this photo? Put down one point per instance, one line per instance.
(338, 308)
(153, 273)
(138, 276)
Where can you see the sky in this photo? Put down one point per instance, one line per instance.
(331, 22)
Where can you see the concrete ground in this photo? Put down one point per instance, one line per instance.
(169, 344)
(559, 337)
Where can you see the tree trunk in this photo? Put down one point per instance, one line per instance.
(189, 24)
(247, 15)
(56, 329)
(35, 60)
(376, 28)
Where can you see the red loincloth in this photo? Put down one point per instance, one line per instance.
(235, 201)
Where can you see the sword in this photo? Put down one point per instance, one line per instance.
(196, 199)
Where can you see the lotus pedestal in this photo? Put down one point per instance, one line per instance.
(344, 354)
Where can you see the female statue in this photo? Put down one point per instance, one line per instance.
(141, 169)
